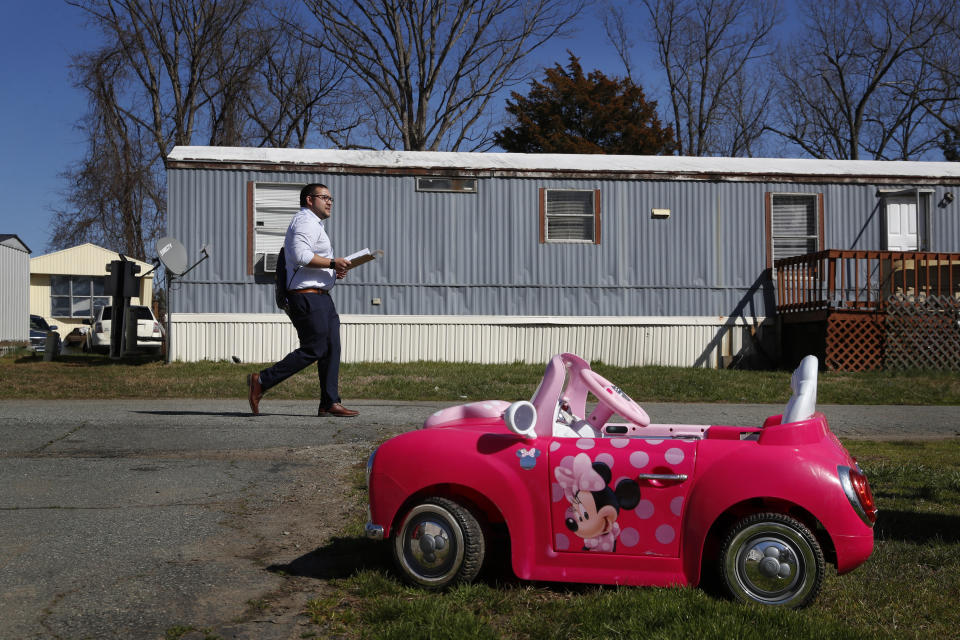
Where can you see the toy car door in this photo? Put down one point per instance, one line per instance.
(619, 495)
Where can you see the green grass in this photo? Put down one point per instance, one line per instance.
(84, 376)
(908, 589)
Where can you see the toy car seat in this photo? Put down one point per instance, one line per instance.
(803, 382)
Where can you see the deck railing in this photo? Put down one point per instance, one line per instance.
(863, 281)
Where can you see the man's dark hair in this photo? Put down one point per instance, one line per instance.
(308, 191)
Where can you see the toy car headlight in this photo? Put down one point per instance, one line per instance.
(370, 466)
(521, 418)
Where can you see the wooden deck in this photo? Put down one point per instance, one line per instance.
(861, 310)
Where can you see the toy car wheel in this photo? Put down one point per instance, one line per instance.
(773, 559)
(439, 543)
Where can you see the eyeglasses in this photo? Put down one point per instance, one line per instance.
(322, 197)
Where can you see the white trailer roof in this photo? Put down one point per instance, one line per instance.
(690, 167)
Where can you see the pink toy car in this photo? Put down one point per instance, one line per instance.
(585, 499)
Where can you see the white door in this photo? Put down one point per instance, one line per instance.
(902, 227)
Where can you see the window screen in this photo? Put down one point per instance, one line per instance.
(794, 225)
(570, 216)
(274, 207)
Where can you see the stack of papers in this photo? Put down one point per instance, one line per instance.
(363, 256)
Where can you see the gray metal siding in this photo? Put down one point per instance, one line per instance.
(854, 219)
(479, 254)
(15, 292)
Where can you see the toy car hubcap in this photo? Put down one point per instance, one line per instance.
(432, 544)
(770, 564)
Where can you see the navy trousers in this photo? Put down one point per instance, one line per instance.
(318, 326)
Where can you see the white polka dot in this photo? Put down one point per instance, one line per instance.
(554, 446)
(676, 505)
(665, 534)
(606, 459)
(556, 492)
(619, 443)
(629, 537)
(562, 542)
(654, 442)
(674, 456)
(644, 510)
(586, 443)
(639, 459)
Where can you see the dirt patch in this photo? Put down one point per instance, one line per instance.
(298, 535)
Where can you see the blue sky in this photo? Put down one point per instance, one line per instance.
(38, 110)
(39, 107)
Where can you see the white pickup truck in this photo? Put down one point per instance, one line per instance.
(149, 331)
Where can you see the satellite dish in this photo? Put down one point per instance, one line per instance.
(172, 254)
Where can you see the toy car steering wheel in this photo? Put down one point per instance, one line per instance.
(613, 399)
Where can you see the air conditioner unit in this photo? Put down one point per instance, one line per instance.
(270, 262)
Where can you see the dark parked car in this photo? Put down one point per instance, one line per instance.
(38, 333)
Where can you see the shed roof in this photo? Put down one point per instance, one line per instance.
(86, 259)
(13, 241)
(608, 166)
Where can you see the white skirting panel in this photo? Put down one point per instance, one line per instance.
(635, 341)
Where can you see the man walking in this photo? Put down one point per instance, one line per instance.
(311, 272)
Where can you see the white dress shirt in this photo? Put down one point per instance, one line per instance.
(305, 237)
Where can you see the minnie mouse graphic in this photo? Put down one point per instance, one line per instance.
(594, 506)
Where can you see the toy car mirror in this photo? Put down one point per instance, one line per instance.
(521, 417)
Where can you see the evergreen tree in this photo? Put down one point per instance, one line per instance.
(572, 113)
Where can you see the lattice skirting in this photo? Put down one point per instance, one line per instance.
(923, 334)
(854, 342)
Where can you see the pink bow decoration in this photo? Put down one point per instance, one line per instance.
(578, 475)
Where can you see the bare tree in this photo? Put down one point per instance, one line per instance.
(428, 70)
(147, 88)
(616, 26)
(269, 88)
(743, 115)
(299, 96)
(861, 79)
(710, 51)
(116, 196)
(941, 99)
(178, 72)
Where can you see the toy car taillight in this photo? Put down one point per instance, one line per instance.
(857, 489)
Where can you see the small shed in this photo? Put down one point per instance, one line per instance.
(68, 286)
(501, 257)
(14, 289)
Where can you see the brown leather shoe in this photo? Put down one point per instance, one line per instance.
(256, 392)
(337, 410)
